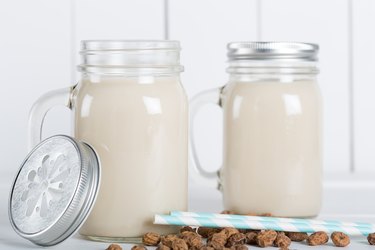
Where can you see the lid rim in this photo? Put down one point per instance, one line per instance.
(78, 206)
(275, 51)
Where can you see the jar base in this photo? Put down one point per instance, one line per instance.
(133, 240)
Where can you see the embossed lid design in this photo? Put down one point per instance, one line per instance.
(54, 190)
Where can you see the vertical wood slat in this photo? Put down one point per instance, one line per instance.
(34, 49)
(364, 84)
(204, 29)
(315, 21)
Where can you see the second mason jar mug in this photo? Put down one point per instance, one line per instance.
(272, 159)
(131, 108)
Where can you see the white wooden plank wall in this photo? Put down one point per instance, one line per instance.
(35, 57)
(40, 41)
(364, 84)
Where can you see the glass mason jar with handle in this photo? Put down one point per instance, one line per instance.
(272, 159)
(130, 106)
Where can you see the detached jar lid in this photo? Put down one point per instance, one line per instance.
(54, 190)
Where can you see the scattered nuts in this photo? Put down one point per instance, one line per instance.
(138, 247)
(282, 240)
(296, 236)
(251, 214)
(266, 238)
(179, 244)
(207, 232)
(236, 239)
(371, 239)
(192, 239)
(163, 247)
(229, 231)
(227, 212)
(340, 239)
(168, 240)
(151, 239)
(187, 229)
(114, 247)
(217, 241)
(239, 247)
(266, 215)
(251, 238)
(207, 248)
(317, 238)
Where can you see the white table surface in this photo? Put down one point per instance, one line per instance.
(354, 202)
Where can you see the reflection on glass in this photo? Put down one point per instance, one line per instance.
(236, 106)
(292, 104)
(86, 104)
(152, 105)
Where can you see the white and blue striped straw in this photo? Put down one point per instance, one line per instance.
(216, 222)
(275, 219)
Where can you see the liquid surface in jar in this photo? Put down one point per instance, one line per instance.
(272, 148)
(138, 127)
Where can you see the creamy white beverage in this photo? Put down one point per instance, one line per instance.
(272, 140)
(272, 133)
(138, 127)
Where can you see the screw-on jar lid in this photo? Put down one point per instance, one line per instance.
(278, 51)
(54, 190)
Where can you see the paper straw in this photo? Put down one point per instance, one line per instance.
(276, 219)
(257, 225)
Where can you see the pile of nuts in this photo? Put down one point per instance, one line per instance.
(236, 239)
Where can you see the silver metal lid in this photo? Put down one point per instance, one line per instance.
(54, 190)
(275, 51)
(130, 56)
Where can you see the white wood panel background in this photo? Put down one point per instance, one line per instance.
(40, 41)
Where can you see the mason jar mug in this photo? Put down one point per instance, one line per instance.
(272, 109)
(130, 106)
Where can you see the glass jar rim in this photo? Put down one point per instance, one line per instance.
(121, 45)
(130, 56)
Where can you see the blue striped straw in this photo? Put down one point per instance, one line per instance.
(276, 219)
(257, 224)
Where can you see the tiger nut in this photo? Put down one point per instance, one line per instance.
(317, 238)
(229, 231)
(371, 239)
(227, 212)
(340, 239)
(163, 247)
(236, 239)
(297, 236)
(206, 232)
(207, 248)
(239, 247)
(114, 247)
(217, 241)
(266, 238)
(282, 240)
(168, 240)
(192, 239)
(187, 229)
(179, 244)
(251, 238)
(138, 247)
(151, 239)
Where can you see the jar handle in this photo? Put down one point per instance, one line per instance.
(40, 109)
(199, 173)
